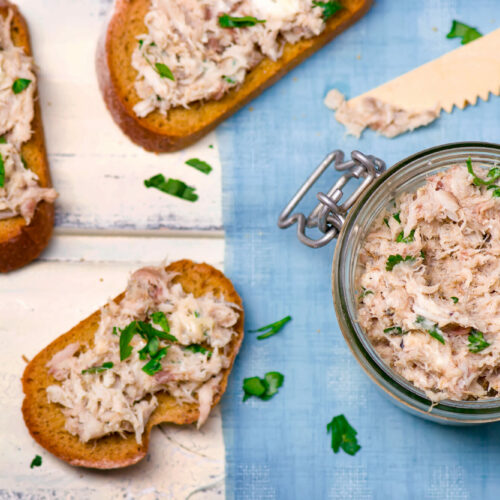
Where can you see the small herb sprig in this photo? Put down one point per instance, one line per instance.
(463, 31)
(431, 328)
(343, 435)
(20, 84)
(477, 342)
(401, 238)
(393, 260)
(395, 330)
(493, 175)
(173, 187)
(36, 462)
(263, 388)
(330, 7)
(200, 165)
(98, 369)
(198, 348)
(227, 21)
(272, 329)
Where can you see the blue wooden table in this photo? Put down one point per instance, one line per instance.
(280, 448)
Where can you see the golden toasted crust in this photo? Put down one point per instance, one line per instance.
(182, 127)
(21, 243)
(45, 420)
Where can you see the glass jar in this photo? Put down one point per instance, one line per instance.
(405, 176)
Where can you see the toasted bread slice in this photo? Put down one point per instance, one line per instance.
(182, 127)
(21, 243)
(45, 420)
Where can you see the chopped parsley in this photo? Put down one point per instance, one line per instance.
(99, 369)
(159, 318)
(3, 140)
(2, 172)
(227, 21)
(330, 7)
(200, 165)
(455, 299)
(431, 328)
(36, 462)
(393, 260)
(343, 435)
(20, 84)
(386, 221)
(229, 80)
(272, 329)
(173, 187)
(463, 31)
(406, 239)
(263, 388)
(365, 292)
(164, 71)
(422, 254)
(476, 341)
(395, 330)
(396, 216)
(154, 365)
(199, 348)
(493, 174)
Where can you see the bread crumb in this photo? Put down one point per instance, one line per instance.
(250, 108)
(318, 330)
(358, 57)
(25, 359)
(101, 280)
(294, 78)
(434, 29)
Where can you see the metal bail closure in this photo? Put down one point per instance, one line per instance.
(329, 215)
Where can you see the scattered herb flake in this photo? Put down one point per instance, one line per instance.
(154, 364)
(164, 71)
(159, 318)
(397, 216)
(141, 42)
(125, 337)
(343, 435)
(3, 140)
(493, 174)
(431, 328)
(36, 462)
(229, 80)
(463, 31)
(199, 348)
(476, 341)
(20, 84)
(455, 299)
(99, 369)
(393, 260)
(386, 221)
(394, 330)
(2, 172)
(365, 292)
(263, 388)
(227, 21)
(200, 165)
(406, 239)
(422, 254)
(330, 7)
(173, 187)
(272, 329)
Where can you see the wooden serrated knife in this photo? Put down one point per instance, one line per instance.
(456, 79)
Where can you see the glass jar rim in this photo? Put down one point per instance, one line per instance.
(386, 378)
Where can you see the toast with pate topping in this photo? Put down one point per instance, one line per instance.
(160, 352)
(26, 196)
(170, 70)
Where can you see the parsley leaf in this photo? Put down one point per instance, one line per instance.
(173, 187)
(159, 318)
(343, 435)
(431, 328)
(263, 388)
(493, 173)
(273, 328)
(408, 239)
(200, 165)
(365, 292)
(227, 21)
(125, 337)
(463, 31)
(3, 140)
(330, 7)
(164, 71)
(20, 84)
(154, 364)
(476, 341)
(392, 260)
(36, 462)
(198, 348)
(395, 330)
(99, 369)
(396, 216)
(386, 221)
(455, 299)
(2, 172)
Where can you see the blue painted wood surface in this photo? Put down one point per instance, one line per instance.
(280, 448)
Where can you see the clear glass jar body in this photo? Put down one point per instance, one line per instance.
(405, 176)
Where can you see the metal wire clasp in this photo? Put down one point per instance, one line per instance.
(329, 216)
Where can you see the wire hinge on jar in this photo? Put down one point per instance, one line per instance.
(329, 215)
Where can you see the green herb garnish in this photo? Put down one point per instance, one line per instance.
(99, 369)
(493, 174)
(386, 221)
(164, 71)
(392, 260)
(229, 80)
(36, 462)
(3, 140)
(2, 172)
(200, 165)
(463, 31)
(397, 216)
(173, 187)
(431, 328)
(408, 239)
(476, 341)
(455, 299)
(159, 318)
(394, 330)
(273, 328)
(227, 21)
(422, 254)
(199, 348)
(125, 337)
(329, 8)
(365, 292)
(263, 388)
(343, 435)
(154, 365)
(20, 84)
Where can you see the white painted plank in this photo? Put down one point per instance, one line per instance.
(97, 170)
(37, 304)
